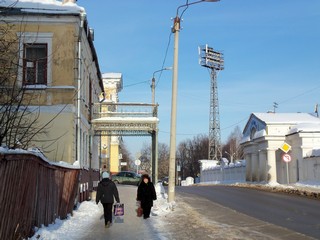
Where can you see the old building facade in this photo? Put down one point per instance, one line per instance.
(58, 62)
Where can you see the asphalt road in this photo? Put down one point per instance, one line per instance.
(292, 212)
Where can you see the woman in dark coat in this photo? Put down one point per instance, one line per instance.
(107, 190)
(146, 194)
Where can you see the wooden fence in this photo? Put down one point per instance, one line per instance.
(33, 193)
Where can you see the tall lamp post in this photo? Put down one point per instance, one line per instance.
(153, 83)
(172, 159)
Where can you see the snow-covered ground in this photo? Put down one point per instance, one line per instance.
(87, 213)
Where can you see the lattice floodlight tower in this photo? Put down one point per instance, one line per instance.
(214, 60)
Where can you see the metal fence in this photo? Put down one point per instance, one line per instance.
(33, 193)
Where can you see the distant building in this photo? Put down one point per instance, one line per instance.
(263, 137)
(111, 154)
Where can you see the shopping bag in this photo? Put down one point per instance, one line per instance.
(139, 211)
(118, 209)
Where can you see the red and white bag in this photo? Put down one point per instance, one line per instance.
(118, 209)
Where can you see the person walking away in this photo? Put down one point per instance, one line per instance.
(146, 194)
(106, 192)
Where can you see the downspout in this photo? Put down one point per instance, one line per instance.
(79, 59)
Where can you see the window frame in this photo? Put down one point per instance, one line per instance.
(35, 67)
(35, 38)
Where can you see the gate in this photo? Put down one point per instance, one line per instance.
(128, 119)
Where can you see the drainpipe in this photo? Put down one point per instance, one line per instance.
(79, 59)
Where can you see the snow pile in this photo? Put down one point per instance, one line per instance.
(309, 189)
(61, 229)
(161, 205)
(308, 184)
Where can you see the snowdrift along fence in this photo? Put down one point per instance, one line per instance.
(33, 192)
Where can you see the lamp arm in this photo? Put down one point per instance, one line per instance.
(187, 5)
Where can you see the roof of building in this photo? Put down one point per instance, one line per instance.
(112, 75)
(300, 122)
(43, 6)
(286, 118)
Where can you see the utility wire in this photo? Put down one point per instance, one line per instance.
(184, 9)
(169, 41)
(165, 58)
(162, 67)
(133, 84)
(165, 55)
(299, 95)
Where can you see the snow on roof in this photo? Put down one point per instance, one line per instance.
(43, 6)
(112, 75)
(127, 119)
(287, 118)
(260, 133)
(315, 152)
(305, 127)
(38, 153)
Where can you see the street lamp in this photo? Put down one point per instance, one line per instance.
(153, 83)
(172, 165)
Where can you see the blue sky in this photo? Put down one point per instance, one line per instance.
(271, 50)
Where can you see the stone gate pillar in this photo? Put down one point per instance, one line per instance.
(271, 166)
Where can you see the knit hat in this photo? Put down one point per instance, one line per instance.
(105, 175)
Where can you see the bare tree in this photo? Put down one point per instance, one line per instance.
(232, 149)
(163, 160)
(190, 152)
(126, 157)
(183, 157)
(145, 158)
(19, 110)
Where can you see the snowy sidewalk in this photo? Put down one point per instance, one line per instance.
(87, 222)
(132, 227)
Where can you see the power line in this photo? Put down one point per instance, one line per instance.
(133, 84)
(165, 57)
(162, 67)
(299, 95)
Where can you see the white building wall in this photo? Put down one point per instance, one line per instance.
(265, 133)
(312, 168)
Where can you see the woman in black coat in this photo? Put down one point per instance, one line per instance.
(146, 194)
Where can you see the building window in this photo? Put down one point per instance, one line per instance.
(35, 51)
(35, 64)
